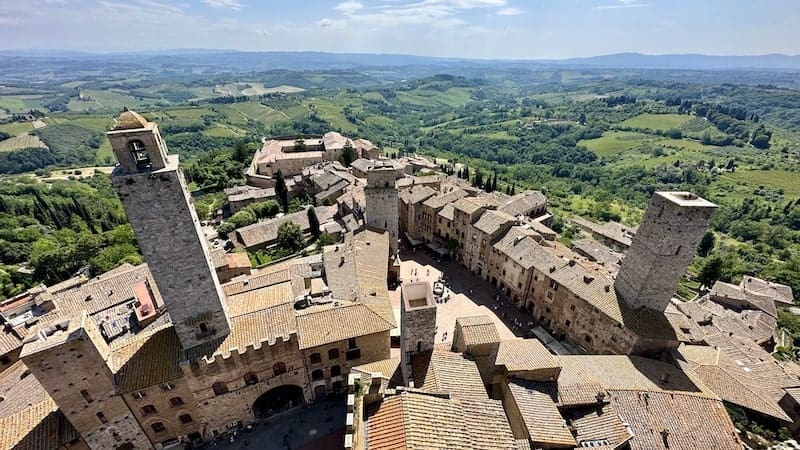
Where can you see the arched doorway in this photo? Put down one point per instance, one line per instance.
(277, 400)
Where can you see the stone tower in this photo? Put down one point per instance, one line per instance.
(156, 199)
(381, 198)
(664, 245)
(417, 323)
(69, 358)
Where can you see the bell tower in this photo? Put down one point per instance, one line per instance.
(153, 191)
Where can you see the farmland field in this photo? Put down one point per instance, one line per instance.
(16, 128)
(21, 141)
(661, 122)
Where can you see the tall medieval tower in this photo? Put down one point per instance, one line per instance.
(381, 198)
(417, 324)
(70, 359)
(156, 199)
(664, 245)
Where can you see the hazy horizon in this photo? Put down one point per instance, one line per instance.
(483, 29)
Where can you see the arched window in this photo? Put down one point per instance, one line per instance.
(219, 388)
(175, 401)
(250, 378)
(185, 418)
(317, 375)
(333, 353)
(336, 371)
(139, 153)
(158, 427)
(315, 358)
(279, 368)
(148, 409)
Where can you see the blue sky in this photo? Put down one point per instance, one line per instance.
(463, 28)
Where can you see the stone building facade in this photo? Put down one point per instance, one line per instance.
(225, 355)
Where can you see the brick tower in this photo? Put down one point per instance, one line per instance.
(662, 248)
(156, 199)
(381, 198)
(69, 358)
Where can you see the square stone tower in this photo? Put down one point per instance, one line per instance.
(381, 198)
(156, 199)
(69, 358)
(417, 323)
(664, 245)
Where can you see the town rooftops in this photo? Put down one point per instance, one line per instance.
(490, 222)
(524, 203)
(527, 359)
(447, 372)
(145, 360)
(416, 194)
(439, 201)
(414, 418)
(477, 330)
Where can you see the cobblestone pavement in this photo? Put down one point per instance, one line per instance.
(319, 426)
(459, 280)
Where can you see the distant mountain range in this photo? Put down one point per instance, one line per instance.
(330, 61)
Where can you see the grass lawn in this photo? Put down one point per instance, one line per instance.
(657, 121)
(613, 143)
(773, 179)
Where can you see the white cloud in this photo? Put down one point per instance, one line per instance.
(509, 11)
(622, 4)
(227, 4)
(349, 6)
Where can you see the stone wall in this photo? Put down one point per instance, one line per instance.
(169, 235)
(227, 409)
(171, 401)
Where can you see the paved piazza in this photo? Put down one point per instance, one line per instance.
(469, 296)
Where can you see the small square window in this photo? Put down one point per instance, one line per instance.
(167, 387)
(138, 395)
(185, 418)
(315, 358)
(158, 427)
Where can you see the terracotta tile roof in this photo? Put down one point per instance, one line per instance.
(250, 330)
(449, 373)
(520, 245)
(258, 280)
(357, 270)
(19, 389)
(754, 383)
(519, 355)
(385, 426)
(447, 212)
(471, 205)
(486, 424)
(478, 330)
(441, 200)
(611, 230)
(778, 292)
(257, 299)
(598, 423)
(107, 290)
(321, 325)
(414, 419)
(416, 194)
(669, 420)
(635, 373)
(9, 341)
(267, 232)
(524, 203)
(541, 417)
(29, 418)
(147, 360)
(385, 368)
(490, 222)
